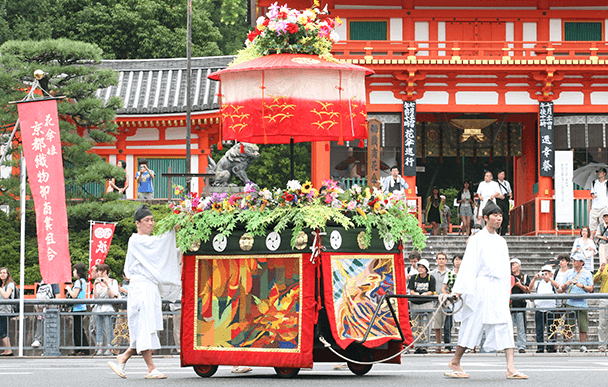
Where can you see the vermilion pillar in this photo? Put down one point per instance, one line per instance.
(320, 163)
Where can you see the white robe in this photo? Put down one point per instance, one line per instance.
(484, 283)
(152, 266)
(486, 190)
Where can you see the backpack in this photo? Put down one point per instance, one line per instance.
(16, 295)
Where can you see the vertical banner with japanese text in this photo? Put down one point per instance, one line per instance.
(42, 151)
(101, 239)
(545, 132)
(373, 152)
(564, 189)
(409, 138)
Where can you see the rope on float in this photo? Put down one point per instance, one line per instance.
(443, 300)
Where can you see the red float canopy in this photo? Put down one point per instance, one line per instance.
(276, 98)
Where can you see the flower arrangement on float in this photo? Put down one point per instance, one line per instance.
(296, 207)
(289, 31)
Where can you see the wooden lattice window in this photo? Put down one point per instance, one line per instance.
(368, 30)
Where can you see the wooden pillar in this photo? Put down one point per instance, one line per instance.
(320, 163)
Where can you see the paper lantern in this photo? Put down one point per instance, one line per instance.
(276, 98)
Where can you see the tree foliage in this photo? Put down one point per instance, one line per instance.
(70, 72)
(130, 29)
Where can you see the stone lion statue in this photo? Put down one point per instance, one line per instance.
(233, 162)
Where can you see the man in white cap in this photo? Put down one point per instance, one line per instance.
(543, 283)
(152, 266)
(421, 284)
(522, 286)
(599, 194)
(483, 284)
(578, 281)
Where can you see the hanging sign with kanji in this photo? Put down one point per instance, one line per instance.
(42, 151)
(101, 239)
(545, 131)
(409, 138)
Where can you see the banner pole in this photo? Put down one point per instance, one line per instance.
(22, 193)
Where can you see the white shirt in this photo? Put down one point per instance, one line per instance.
(544, 287)
(504, 187)
(486, 190)
(599, 189)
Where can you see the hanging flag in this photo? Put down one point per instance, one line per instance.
(101, 239)
(42, 151)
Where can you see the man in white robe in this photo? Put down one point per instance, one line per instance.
(152, 265)
(484, 285)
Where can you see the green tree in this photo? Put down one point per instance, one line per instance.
(138, 29)
(233, 23)
(84, 119)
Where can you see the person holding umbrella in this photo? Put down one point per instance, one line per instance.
(599, 194)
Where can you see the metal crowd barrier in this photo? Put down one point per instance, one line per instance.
(562, 331)
(58, 320)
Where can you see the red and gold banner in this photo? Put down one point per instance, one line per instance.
(42, 151)
(101, 239)
(256, 310)
(353, 284)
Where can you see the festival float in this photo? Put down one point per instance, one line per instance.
(286, 277)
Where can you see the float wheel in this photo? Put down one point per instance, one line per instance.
(205, 371)
(359, 369)
(286, 373)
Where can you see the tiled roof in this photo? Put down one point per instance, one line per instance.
(157, 86)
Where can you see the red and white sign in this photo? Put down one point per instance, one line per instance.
(101, 239)
(42, 151)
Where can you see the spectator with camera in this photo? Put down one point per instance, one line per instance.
(144, 177)
(104, 288)
(578, 281)
(543, 283)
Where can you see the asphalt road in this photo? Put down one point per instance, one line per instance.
(416, 370)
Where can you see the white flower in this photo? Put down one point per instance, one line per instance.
(294, 185)
(334, 36)
(260, 20)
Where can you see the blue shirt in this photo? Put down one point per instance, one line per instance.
(584, 278)
(145, 185)
(82, 285)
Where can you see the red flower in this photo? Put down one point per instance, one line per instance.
(289, 197)
(254, 34)
(176, 211)
(292, 28)
(266, 22)
(371, 204)
(282, 15)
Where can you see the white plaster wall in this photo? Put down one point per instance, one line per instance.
(422, 34)
(145, 134)
(519, 98)
(342, 30)
(383, 97)
(529, 34)
(599, 98)
(441, 36)
(194, 169)
(570, 98)
(396, 29)
(434, 98)
(510, 34)
(555, 30)
(476, 98)
(131, 170)
(112, 159)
